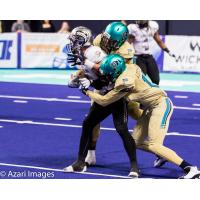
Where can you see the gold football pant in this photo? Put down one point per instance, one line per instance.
(151, 128)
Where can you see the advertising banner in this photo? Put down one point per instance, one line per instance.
(47, 50)
(187, 52)
(43, 50)
(8, 50)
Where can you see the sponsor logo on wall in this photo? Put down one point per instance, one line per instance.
(5, 46)
(8, 50)
(187, 51)
(40, 50)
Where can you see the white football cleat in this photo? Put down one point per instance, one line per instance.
(68, 169)
(78, 166)
(194, 173)
(133, 174)
(159, 162)
(91, 157)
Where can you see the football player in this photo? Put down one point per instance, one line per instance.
(140, 35)
(152, 127)
(98, 113)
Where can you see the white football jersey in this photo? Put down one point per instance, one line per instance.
(143, 37)
(96, 55)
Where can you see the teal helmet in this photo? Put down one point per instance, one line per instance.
(114, 36)
(112, 66)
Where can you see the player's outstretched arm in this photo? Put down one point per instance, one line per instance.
(110, 97)
(161, 44)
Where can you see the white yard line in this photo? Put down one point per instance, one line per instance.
(180, 97)
(184, 135)
(62, 119)
(44, 99)
(20, 101)
(61, 170)
(196, 104)
(74, 101)
(48, 124)
(74, 97)
(79, 126)
(186, 108)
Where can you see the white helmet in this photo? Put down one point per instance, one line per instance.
(80, 37)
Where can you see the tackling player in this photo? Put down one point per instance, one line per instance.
(140, 35)
(152, 127)
(113, 40)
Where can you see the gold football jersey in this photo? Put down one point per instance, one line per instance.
(133, 85)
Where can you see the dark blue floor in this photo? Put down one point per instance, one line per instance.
(56, 147)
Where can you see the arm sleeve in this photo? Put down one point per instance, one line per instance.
(109, 98)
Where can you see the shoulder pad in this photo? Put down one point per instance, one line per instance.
(154, 26)
(132, 28)
(126, 79)
(126, 50)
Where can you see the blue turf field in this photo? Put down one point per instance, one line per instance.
(33, 133)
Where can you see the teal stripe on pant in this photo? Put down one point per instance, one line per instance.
(166, 114)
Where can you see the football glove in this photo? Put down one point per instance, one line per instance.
(82, 89)
(172, 55)
(74, 59)
(85, 83)
(169, 53)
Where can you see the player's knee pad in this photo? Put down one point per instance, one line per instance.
(134, 110)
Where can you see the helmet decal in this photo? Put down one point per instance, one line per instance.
(125, 35)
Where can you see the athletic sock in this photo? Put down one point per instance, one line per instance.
(185, 166)
(92, 153)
